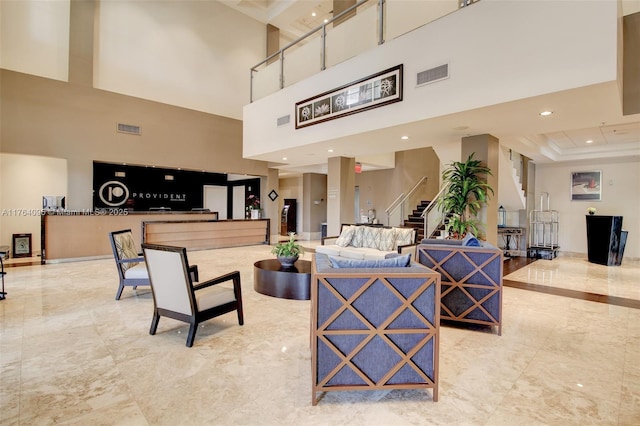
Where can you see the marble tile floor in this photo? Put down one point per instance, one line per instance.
(71, 354)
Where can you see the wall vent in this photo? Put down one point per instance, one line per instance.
(284, 120)
(432, 75)
(129, 129)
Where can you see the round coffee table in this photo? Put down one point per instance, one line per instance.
(270, 278)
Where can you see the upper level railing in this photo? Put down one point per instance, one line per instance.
(368, 24)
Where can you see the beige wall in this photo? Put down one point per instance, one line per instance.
(620, 182)
(51, 118)
(314, 204)
(24, 179)
(378, 189)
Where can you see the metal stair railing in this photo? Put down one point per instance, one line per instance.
(425, 216)
(398, 206)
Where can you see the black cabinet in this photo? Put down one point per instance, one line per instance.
(605, 239)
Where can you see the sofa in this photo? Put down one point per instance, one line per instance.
(374, 325)
(471, 280)
(369, 242)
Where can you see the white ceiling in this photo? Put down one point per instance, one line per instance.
(580, 115)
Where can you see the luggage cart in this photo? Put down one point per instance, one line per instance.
(543, 226)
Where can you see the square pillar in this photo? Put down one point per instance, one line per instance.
(341, 180)
(486, 148)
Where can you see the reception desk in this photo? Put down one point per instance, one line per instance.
(206, 234)
(605, 239)
(67, 237)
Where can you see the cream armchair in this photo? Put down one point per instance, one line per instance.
(175, 296)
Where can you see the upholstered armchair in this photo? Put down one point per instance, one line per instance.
(132, 270)
(175, 296)
(471, 280)
(373, 326)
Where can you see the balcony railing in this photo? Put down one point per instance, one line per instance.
(368, 24)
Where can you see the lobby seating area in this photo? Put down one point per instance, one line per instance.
(560, 360)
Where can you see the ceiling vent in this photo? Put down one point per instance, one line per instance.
(129, 129)
(432, 75)
(284, 120)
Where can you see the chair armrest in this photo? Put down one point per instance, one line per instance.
(408, 248)
(329, 240)
(193, 271)
(235, 275)
(135, 259)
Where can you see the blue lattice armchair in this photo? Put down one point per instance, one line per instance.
(471, 280)
(373, 326)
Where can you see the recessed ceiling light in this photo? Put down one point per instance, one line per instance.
(330, 150)
(326, 20)
(588, 141)
(313, 14)
(546, 113)
(284, 158)
(404, 138)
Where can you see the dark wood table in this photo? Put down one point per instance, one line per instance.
(270, 278)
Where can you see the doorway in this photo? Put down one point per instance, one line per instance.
(215, 199)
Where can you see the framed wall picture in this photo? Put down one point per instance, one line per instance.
(586, 186)
(21, 245)
(382, 88)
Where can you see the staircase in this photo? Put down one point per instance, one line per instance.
(415, 221)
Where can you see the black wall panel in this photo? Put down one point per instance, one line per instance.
(143, 188)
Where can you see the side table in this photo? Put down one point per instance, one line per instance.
(270, 278)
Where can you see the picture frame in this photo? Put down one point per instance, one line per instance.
(21, 245)
(586, 186)
(373, 91)
(273, 195)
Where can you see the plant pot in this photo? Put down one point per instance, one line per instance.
(255, 214)
(287, 261)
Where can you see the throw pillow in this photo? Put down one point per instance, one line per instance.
(394, 262)
(404, 236)
(345, 236)
(470, 240)
(358, 236)
(387, 239)
(370, 236)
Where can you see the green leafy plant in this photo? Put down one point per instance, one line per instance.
(288, 248)
(465, 194)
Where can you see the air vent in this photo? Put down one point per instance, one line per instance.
(284, 120)
(129, 129)
(432, 75)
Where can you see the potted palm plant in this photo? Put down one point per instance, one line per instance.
(288, 252)
(465, 194)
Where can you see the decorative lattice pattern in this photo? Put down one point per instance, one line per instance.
(471, 282)
(375, 331)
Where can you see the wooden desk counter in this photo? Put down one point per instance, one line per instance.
(206, 234)
(69, 235)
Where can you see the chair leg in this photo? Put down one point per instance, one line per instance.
(119, 293)
(238, 292)
(192, 334)
(240, 314)
(154, 323)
